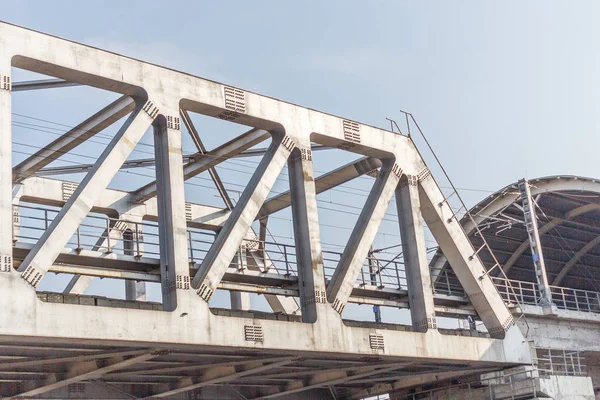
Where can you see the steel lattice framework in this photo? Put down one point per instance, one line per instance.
(120, 342)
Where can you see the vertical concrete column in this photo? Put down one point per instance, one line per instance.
(6, 203)
(172, 226)
(414, 249)
(239, 300)
(309, 256)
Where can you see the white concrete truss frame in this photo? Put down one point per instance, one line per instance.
(187, 320)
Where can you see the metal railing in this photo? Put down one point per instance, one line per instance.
(101, 233)
(489, 388)
(564, 298)
(559, 362)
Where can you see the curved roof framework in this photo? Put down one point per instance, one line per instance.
(568, 211)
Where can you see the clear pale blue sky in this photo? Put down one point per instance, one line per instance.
(502, 89)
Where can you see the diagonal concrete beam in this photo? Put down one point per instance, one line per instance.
(215, 376)
(54, 239)
(209, 160)
(468, 268)
(356, 250)
(575, 259)
(73, 138)
(88, 370)
(414, 250)
(221, 253)
(339, 176)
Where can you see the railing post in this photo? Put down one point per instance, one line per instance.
(576, 300)
(46, 219)
(398, 276)
(287, 266)
(78, 240)
(190, 246)
(137, 240)
(108, 247)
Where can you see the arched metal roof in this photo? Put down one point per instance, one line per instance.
(569, 224)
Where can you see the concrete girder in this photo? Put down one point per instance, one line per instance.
(363, 234)
(575, 259)
(88, 370)
(73, 138)
(209, 160)
(219, 256)
(414, 250)
(332, 378)
(339, 176)
(221, 375)
(309, 256)
(467, 266)
(54, 239)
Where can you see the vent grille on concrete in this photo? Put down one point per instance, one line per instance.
(188, 211)
(376, 342)
(338, 306)
(150, 109)
(4, 82)
(68, 188)
(5, 262)
(253, 333)
(235, 99)
(426, 173)
(397, 170)
(306, 154)
(173, 122)
(204, 292)
(288, 143)
(351, 131)
(76, 388)
(183, 282)
(32, 275)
